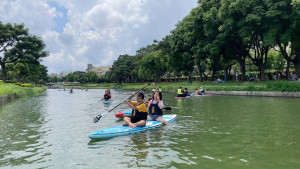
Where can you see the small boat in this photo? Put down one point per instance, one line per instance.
(124, 130)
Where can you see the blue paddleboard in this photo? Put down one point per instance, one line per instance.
(124, 130)
(106, 102)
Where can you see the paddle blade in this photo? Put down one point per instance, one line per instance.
(97, 118)
(168, 108)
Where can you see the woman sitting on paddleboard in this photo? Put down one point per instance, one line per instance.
(139, 112)
(155, 107)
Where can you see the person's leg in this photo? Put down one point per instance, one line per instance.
(149, 117)
(127, 121)
(140, 123)
(162, 120)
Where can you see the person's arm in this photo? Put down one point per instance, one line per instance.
(149, 106)
(160, 104)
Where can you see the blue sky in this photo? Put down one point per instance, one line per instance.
(80, 32)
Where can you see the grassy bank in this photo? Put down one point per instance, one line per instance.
(279, 85)
(6, 89)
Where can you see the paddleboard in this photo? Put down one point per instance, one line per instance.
(182, 97)
(126, 113)
(124, 130)
(200, 95)
(62, 90)
(106, 102)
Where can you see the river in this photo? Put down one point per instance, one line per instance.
(228, 132)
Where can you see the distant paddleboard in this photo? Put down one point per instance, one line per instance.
(106, 102)
(194, 94)
(182, 97)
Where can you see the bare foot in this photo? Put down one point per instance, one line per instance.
(132, 126)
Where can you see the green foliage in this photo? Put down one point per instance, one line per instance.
(27, 85)
(6, 89)
(22, 51)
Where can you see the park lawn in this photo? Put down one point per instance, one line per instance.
(7, 89)
(278, 85)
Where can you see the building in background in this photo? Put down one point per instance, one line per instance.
(100, 71)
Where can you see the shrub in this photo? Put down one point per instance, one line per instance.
(18, 84)
(10, 81)
(27, 85)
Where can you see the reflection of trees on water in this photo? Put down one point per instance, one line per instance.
(20, 132)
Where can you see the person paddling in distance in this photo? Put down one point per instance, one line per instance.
(155, 107)
(201, 91)
(106, 96)
(180, 92)
(139, 112)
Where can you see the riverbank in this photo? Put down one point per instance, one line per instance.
(9, 92)
(268, 86)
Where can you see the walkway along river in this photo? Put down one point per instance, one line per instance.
(51, 131)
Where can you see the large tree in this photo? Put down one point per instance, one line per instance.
(17, 45)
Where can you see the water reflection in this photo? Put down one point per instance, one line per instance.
(51, 131)
(22, 140)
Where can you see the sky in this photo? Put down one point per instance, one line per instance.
(79, 32)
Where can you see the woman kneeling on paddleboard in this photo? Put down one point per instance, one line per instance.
(155, 107)
(139, 112)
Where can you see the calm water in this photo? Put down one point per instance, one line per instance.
(228, 132)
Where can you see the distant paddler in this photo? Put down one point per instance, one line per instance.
(106, 96)
(180, 92)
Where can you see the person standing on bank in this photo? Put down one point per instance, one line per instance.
(237, 76)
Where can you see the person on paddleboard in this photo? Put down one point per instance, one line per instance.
(186, 92)
(155, 107)
(201, 91)
(139, 112)
(106, 96)
(180, 92)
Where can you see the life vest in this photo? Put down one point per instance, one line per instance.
(138, 114)
(106, 97)
(154, 109)
(179, 91)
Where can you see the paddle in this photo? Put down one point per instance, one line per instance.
(98, 117)
(167, 108)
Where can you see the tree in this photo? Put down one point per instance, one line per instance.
(17, 45)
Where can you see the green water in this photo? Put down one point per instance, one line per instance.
(228, 132)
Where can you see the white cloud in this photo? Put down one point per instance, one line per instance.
(97, 31)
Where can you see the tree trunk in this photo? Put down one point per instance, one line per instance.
(243, 68)
(3, 71)
(200, 71)
(262, 71)
(287, 70)
(296, 62)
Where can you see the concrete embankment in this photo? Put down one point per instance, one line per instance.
(250, 93)
(7, 98)
(254, 93)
